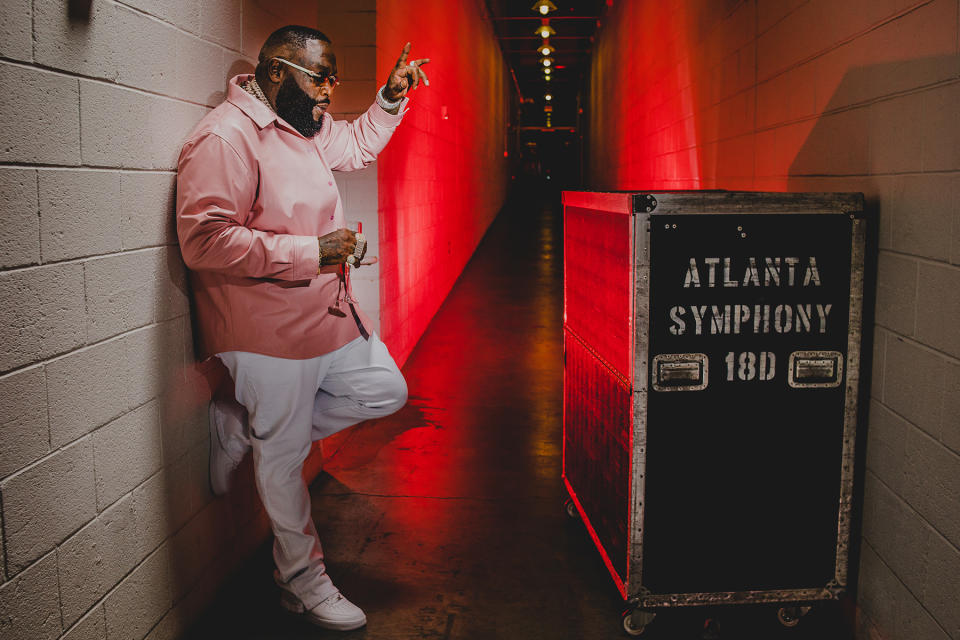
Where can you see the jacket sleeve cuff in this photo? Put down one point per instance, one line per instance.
(381, 118)
(306, 261)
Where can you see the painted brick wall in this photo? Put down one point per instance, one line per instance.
(818, 95)
(442, 179)
(108, 528)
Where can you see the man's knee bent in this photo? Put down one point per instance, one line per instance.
(390, 394)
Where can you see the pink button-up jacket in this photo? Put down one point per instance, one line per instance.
(253, 195)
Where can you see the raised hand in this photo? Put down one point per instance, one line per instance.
(405, 76)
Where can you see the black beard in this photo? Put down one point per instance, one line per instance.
(296, 107)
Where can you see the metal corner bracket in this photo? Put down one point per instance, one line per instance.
(644, 203)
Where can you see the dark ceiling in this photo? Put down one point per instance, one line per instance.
(575, 22)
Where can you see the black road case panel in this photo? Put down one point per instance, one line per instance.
(710, 390)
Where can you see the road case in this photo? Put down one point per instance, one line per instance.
(712, 346)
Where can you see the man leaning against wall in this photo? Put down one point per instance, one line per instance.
(261, 227)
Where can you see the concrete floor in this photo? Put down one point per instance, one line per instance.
(446, 519)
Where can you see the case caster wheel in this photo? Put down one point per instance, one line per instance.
(571, 509)
(711, 630)
(635, 621)
(790, 616)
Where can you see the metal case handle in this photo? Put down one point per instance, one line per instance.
(680, 372)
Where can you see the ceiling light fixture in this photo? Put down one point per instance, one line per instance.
(544, 7)
(546, 49)
(545, 30)
(548, 97)
(546, 61)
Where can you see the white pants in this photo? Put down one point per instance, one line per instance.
(290, 403)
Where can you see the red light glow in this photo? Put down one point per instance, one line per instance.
(650, 87)
(715, 102)
(442, 178)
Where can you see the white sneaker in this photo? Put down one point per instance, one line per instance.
(222, 465)
(336, 612)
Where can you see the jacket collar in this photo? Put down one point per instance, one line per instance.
(253, 108)
(260, 113)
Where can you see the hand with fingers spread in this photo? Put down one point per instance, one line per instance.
(405, 76)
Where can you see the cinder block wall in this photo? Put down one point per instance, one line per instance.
(108, 527)
(819, 95)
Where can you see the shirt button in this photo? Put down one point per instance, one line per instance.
(331, 217)
(329, 184)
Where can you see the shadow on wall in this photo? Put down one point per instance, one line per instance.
(858, 139)
(79, 10)
(238, 67)
(885, 147)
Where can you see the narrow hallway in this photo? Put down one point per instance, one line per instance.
(446, 519)
(127, 263)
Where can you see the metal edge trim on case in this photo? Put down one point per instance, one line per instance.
(620, 582)
(641, 337)
(854, 335)
(563, 398)
(621, 379)
(735, 597)
(751, 203)
(609, 201)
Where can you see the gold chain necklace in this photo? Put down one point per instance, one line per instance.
(251, 87)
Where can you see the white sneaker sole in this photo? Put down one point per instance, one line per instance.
(292, 603)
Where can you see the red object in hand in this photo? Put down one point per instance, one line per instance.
(359, 227)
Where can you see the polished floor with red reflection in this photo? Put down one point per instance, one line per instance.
(446, 519)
